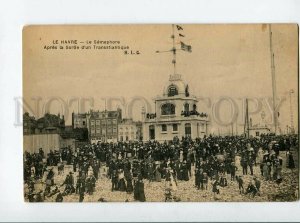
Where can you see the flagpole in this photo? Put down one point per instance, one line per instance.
(184, 47)
(173, 50)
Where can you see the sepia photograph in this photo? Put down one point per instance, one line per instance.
(160, 113)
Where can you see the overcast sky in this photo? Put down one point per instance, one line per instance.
(226, 61)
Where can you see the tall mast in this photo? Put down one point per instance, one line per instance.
(246, 126)
(273, 80)
(173, 50)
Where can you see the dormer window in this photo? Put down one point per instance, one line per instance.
(172, 91)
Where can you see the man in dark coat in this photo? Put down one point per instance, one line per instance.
(240, 183)
(251, 189)
(129, 187)
(244, 165)
(81, 191)
(69, 182)
(114, 180)
(185, 171)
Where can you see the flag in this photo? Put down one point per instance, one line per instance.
(181, 35)
(186, 47)
(179, 27)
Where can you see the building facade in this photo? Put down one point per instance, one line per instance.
(176, 114)
(48, 124)
(101, 125)
(128, 130)
(80, 120)
(260, 128)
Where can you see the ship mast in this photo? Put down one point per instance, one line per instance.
(275, 114)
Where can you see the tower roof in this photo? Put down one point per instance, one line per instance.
(175, 84)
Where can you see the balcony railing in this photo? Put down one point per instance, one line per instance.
(151, 115)
(190, 113)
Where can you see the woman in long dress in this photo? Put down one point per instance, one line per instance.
(129, 186)
(291, 163)
(121, 183)
(139, 193)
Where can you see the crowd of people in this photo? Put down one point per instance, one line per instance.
(211, 160)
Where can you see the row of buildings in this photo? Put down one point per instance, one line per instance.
(93, 126)
(108, 126)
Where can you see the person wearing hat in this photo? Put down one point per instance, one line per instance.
(233, 168)
(205, 180)
(79, 182)
(121, 180)
(244, 163)
(114, 180)
(129, 186)
(81, 190)
(185, 171)
(251, 160)
(90, 183)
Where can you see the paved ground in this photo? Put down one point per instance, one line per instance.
(154, 191)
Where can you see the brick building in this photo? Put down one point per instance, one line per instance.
(101, 125)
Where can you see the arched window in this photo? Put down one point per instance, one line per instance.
(186, 107)
(172, 91)
(168, 109)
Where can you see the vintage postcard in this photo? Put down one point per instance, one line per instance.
(160, 113)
